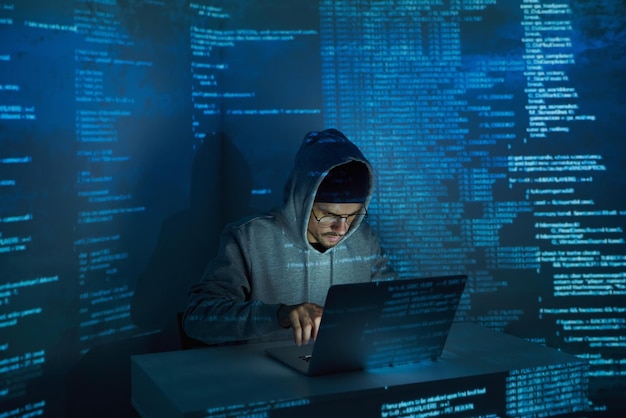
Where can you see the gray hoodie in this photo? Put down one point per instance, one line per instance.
(266, 260)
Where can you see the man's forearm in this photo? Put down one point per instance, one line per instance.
(218, 320)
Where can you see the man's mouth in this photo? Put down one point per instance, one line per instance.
(334, 237)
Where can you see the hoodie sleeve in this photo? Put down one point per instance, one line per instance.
(220, 309)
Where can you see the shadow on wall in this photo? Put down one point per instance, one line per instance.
(221, 183)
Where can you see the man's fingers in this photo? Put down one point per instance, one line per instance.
(317, 320)
(305, 320)
(316, 327)
(303, 328)
(306, 331)
(297, 332)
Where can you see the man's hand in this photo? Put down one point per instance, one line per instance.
(304, 319)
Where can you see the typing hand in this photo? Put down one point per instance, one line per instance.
(304, 319)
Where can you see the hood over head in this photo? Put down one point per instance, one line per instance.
(345, 183)
(328, 168)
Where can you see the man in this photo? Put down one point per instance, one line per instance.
(270, 277)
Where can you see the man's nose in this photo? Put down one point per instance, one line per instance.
(341, 225)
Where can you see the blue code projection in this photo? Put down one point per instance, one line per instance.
(88, 118)
(494, 128)
(240, 56)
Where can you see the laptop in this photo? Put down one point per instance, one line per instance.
(378, 324)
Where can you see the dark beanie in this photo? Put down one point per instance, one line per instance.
(346, 183)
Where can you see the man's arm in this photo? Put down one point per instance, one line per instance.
(218, 320)
(220, 309)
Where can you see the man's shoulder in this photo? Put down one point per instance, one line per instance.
(365, 230)
(254, 220)
(364, 238)
(254, 223)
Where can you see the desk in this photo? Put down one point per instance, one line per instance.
(481, 372)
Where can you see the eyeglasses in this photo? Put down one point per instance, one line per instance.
(329, 220)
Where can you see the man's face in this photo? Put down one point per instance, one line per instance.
(329, 236)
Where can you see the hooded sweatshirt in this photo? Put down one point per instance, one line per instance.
(266, 261)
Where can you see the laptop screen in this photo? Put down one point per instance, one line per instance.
(379, 324)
